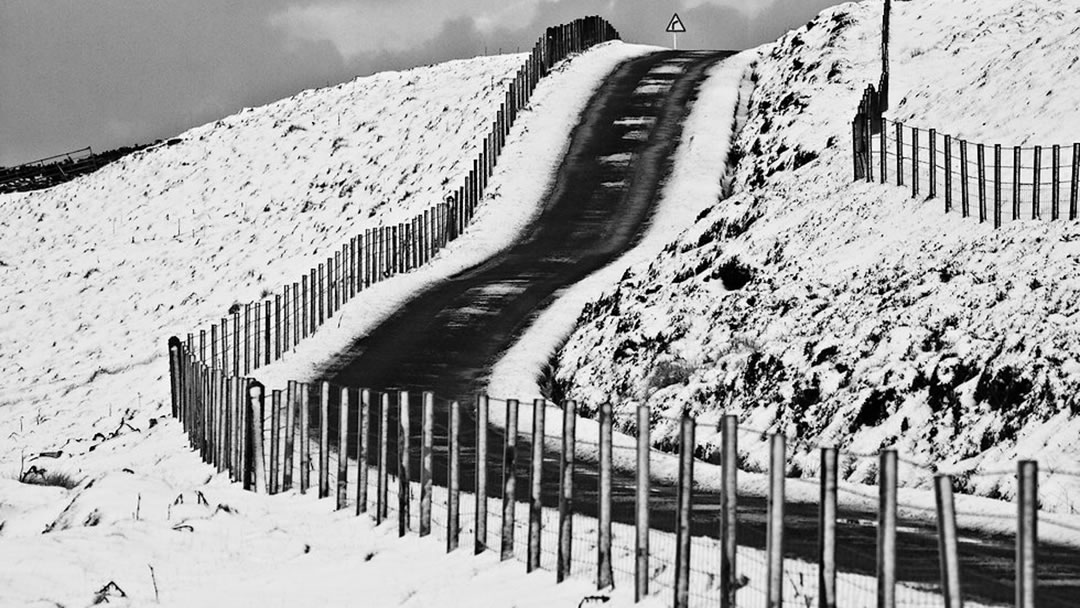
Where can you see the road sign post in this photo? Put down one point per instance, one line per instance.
(675, 27)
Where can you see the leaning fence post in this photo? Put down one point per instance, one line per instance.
(305, 438)
(950, 559)
(886, 530)
(403, 463)
(536, 466)
(324, 440)
(290, 434)
(827, 530)
(729, 428)
(382, 509)
(343, 450)
(363, 430)
(566, 492)
(453, 482)
(683, 506)
(641, 549)
(480, 540)
(604, 575)
(427, 438)
(1027, 497)
(508, 469)
(255, 476)
(774, 543)
(275, 436)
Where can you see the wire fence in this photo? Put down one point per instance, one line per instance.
(993, 182)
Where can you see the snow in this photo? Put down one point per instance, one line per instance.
(869, 320)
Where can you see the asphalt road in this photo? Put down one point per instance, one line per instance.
(447, 338)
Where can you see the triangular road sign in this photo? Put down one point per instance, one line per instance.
(676, 26)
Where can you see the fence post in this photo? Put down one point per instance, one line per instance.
(1027, 498)
(604, 575)
(343, 449)
(427, 438)
(303, 305)
(899, 154)
(774, 542)
(566, 492)
(997, 185)
(1036, 185)
(948, 173)
(508, 469)
(641, 550)
(290, 434)
(1055, 175)
(480, 540)
(236, 343)
(950, 559)
(256, 337)
(275, 436)
(914, 162)
(382, 491)
(363, 430)
(1017, 155)
(286, 338)
(268, 321)
(964, 206)
(175, 375)
(933, 163)
(536, 466)
(277, 326)
(827, 530)
(305, 438)
(884, 160)
(403, 463)
(312, 301)
(683, 506)
(980, 157)
(324, 440)
(453, 503)
(729, 427)
(857, 154)
(1074, 189)
(886, 530)
(255, 476)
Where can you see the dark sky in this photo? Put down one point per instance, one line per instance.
(107, 73)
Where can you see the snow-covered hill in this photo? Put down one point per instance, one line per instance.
(848, 314)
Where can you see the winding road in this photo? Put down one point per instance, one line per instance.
(448, 337)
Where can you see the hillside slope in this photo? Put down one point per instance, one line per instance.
(848, 314)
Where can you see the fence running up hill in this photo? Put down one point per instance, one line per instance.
(46, 172)
(375, 453)
(260, 333)
(991, 181)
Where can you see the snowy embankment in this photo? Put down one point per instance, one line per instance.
(847, 314)
(97, 273)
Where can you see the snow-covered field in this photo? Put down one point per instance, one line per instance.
(868, 319)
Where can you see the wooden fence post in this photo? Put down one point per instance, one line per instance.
(1055, 175)
(899, 154)
(997, 185)
(255, 476)
(508, 469)
(303, 305)
(536, 467)
(324, 440)
(684, 506)
(256, 337)
(382, 508)
(268, 321)
(950, 559)
(363, 430)
(641, 519)
(1074, 187)
(729, 428)
(566, 492)
(914, 162)
(827, 530)
(964, 206)
(427, 439)
(857, 154)
(286, 337)
(886, 530)
(980, 157)
(774, 542)
(1027, 502)
(277, 327)
(933, 163)
(884, 145)
(175, 375)
(404, 479)
(1036, 185)
(1017, 156)
(480, 540)
(305, 438)
(291, 395)
(453, 482)
(275, 436)
(240, 416)
(604, 574)
(202, 346)
(236, 343)
(343, 450)
(948, 173)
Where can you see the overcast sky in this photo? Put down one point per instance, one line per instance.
(107, 73)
